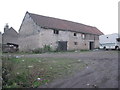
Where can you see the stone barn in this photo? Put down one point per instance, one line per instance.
(36, 31)
(10, 39)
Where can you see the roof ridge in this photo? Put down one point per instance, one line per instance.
(11, 28)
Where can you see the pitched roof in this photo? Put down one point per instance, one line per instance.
(54, 23)
(11, 31)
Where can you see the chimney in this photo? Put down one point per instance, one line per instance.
(6, 27)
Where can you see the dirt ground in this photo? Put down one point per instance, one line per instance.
(101, 70)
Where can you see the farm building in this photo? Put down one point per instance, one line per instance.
(9, 39)
(36, 31)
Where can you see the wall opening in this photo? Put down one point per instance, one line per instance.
(56, 31)
(91, 45)
(62, 46)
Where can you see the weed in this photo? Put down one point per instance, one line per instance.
(34, 72)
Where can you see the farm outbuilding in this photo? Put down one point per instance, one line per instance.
(10, 39)
(37, 31)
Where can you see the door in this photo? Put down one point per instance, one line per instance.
(91, 45)
(62, 46)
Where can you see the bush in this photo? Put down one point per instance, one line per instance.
(46, 48)
(38, 50)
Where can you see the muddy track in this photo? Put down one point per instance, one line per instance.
(102, 72)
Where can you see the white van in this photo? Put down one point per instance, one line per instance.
(109, 41)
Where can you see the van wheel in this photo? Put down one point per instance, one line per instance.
(104, 48)
(116, 48)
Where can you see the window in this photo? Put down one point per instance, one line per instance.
(83, 36)
(56, 32)
(75, 43)
(75, 34)
(118, 39)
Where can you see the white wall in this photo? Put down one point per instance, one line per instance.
(110, 38)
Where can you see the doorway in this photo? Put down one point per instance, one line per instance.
(91, 45)
(62, 46)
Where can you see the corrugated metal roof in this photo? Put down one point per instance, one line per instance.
(50, 22)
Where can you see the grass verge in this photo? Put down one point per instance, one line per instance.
(34, 72)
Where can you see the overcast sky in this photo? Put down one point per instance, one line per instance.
(102, 14)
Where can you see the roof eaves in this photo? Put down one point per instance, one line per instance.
(66, 30)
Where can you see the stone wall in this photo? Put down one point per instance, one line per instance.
(29, 43)
(47, 37)
(28, 27)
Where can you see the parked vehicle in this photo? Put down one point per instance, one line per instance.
(110, 41)
(9, 47)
